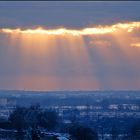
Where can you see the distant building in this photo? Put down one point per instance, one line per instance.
(11, 102)
(3, 102)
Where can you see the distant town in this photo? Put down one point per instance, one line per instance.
(101, 111)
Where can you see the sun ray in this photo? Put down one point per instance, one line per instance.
(73, 57)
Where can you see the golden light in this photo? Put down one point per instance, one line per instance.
(85, 31)
(137, 45)
(71, 56)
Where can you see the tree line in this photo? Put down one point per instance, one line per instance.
(30, 121)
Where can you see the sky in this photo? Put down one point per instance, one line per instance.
(70, 45)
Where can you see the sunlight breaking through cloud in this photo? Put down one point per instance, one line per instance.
(86, 31)
(92, 57)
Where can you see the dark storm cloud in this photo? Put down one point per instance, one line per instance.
(69, 14)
